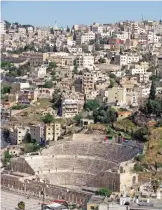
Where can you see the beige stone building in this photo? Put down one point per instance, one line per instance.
(116, 95)
(69, 108)
(52, 132)
(87, 82)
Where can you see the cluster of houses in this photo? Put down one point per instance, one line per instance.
(111, 62)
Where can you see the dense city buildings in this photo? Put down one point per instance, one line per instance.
(81, 111)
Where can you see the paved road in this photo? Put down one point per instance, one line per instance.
(9, 201)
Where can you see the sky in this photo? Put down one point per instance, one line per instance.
(41, 13)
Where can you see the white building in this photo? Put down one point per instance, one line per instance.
(22, 30)
(137, 70)
(39, 72)
(81, 39)
(126, 59)
(85, 60)
(97, 28)
(2, 27)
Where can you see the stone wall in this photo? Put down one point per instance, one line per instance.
(35, 189)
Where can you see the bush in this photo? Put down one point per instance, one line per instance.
(48, 118)
(48, 84)
(138, 167)
(104, 192)
(77, 119)
(141, 134)
(139, 158)
(18, 107)
(31, 148)
(91, 105)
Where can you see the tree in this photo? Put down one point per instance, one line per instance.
(152, 95)
(54, 48)
(56, 98)
(48, 118)
(21, 205)
(28, 138)
(155, 185)
(91, 105)
(5, 89)
(77, 119)
(111, 83)
(102, 60)
(48, 84)
(52, 65)
(104, 192)
(75, 70)
(6, 158)
(51, 31)
(141, 134)
(104, 114)
(68, 29)
(31, 147)
(6, 134)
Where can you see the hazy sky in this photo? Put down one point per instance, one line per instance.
(41, 13)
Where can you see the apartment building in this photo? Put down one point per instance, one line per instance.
(137, 70)
(2, 27)
(97, 28)
(39, 72)
(88, 82)
(35, 59)
(85, 38)
(85, 60)
(22, 31)
(37, 132)
(126, 59)
(159, 62)
(116, 95)
(69, 108)
(74, 49)
(18, 86)
(52, 131)
(18, 134)
(27, 96)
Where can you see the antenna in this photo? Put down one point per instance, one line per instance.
(142, 17)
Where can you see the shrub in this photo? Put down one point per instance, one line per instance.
(139, 158)
(138, 167)
(104, 192)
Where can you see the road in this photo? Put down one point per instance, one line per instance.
(9, 201)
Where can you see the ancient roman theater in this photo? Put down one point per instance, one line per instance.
(79, 164)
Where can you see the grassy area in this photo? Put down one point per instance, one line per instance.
(126, 126)
(154, 146)
(18, 107)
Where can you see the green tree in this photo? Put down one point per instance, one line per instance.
(104, 192)
(21, 205)
(75, 70)
(111, 83)
(48, 84)
(141, 134)
(6, 134)
(104, 114)
(68, 29)
(91, 105)
(28, 138)
(152, 95)
(102, 60)
(52, 65)
(31, 147)
(48, 118)
(56, 98)
(7, 158)
(155, 185)
(51, 31)
(77, 119)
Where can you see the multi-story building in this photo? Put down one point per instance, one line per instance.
(159, 63)
(85, 60)
(88, 82)
(85, 38)
(126, 59)
(97, 28)
(39, 72)
(52, 131)
(69, 108)
(37, 132)
(116, 95)
(2, 27)
(18, 134)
